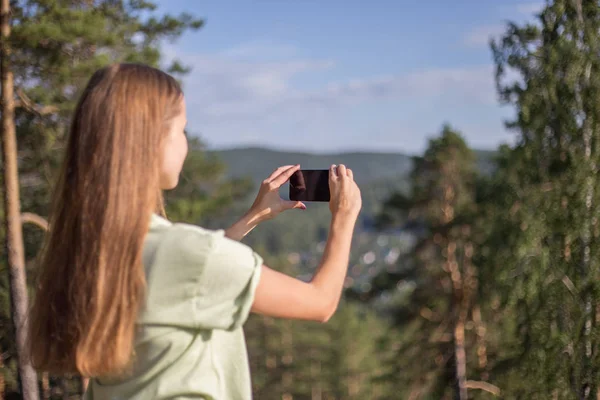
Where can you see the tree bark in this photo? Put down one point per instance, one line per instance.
(12, 217)
(84, 384)
(485, 386)
(460, 312)
(46, 392)
(464, 290)
(2, 379)
(458, 309)
(64, 388)
(587, 386)
(29, 218)
(26, 103)
(480, 331)
(460, 357)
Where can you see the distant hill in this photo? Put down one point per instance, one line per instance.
(368, 167)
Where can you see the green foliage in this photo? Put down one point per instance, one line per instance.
(550, 208)
(297, 359)
(204, 193)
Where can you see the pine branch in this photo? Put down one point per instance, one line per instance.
(485, 386)
(26, 103)
(34, 219)
(569, 284)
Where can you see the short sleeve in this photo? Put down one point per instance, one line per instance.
(200, 279)
(227, 283)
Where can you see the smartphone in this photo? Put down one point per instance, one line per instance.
(310, 185)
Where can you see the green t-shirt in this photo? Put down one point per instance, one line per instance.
(190, 343)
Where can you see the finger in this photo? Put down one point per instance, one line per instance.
(350, 173)
(342, 171)
(289, 205)
(285, 176)
(333, 173)
(277, 172)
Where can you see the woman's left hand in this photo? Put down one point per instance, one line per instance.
(268, 203)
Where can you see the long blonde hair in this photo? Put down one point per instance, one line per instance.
(91, 281)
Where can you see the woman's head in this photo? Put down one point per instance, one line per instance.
(126, 145)
(133, 114)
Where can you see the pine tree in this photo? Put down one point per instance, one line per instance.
(12, 209)
(48, 52)
(554, 196)
(495, 315)
(436, 284)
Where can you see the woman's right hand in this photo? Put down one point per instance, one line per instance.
(345, 196)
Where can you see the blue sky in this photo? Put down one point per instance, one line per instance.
(333, 75)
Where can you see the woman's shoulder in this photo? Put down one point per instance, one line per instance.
(163, 226)
(189, 244)
(190, 238)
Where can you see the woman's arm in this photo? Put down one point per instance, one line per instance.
(243, 226)
(279, 295)
(268, 203)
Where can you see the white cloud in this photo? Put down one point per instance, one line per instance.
(480, 36)
(233, 98)
(229, 88)
(467, 84)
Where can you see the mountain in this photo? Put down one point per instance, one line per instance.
(260, 162)
(368, 167)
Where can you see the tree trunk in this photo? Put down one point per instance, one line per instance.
(2, 380)
(12, 218)
(586, 390)
(452, 267)
(480, 331)
(468, 287)
(64, 388)
(460, 357)
(84, 384)
(458, 309)
(587, 385)
(46, 392)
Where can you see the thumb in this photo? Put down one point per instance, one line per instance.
(294, 205)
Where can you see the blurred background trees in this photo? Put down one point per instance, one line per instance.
(474, 274)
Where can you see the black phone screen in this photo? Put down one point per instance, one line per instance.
(310, 185)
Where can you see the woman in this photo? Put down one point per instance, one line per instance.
(146, 308)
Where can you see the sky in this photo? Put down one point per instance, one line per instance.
(343, 75)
